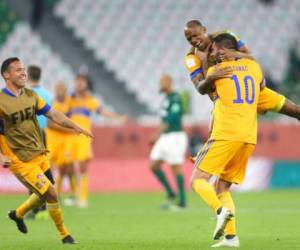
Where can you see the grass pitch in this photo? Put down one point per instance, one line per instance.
(267, 220)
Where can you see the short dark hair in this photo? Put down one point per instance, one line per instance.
(226, 40)
(193, 23)
(7, 62)
(82, 76)
(34, 73)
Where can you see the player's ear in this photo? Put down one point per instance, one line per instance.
(5, 75)
(204, 29)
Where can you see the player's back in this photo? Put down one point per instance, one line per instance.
(235, 111)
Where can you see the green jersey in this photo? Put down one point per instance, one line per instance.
(171, 112)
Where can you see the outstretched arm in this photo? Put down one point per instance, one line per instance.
(65, 122)
(112, 115)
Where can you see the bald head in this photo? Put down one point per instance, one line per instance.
(60, 91)
(193, 23)
(196, 34)
(165, 83)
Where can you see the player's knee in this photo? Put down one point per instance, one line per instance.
(155, 166)
(51, 195)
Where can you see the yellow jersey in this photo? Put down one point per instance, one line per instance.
(82, 108)
(235, 110)
(63, 107)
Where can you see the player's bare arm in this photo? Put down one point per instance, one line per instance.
(64, 121)
(57, 127)
(113, 115)
(206, 86)
(236, 54)
(162, 128)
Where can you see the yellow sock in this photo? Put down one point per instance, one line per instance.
(83, 195)
(57, 217)
(33, 201)
(73, 184)
(227, 202)
(207, 193)
(59, 180)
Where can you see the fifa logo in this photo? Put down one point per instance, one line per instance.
(22, 115)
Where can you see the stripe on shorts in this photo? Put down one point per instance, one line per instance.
(203, 153)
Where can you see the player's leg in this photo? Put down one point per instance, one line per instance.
(290, 109)
(234, 172)
(72, 179)
(178, 173)
(270, 100)
(230, 239)
(200, 184)
(155, 167)
(55, 212)
(212, 160)
(61, 173)
(175, 157)
(83, 184)
(157, 157)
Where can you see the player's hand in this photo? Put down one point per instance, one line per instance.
(123, 118)
(220, 72)
(4, 161)
(153, 139)
(79, 130)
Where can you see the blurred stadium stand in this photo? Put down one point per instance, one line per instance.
(127, 44)
(141, 39)
(27, 45)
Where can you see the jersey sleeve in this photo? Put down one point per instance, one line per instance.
(96, 105)
(41, 106)
(193, 65)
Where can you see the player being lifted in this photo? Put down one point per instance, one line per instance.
(170, 143)
(197, 61)
(82, 106)
(59, 144)
(22, 147)
(233, 136)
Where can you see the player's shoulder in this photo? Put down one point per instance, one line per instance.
(30, 92)
(191, 51)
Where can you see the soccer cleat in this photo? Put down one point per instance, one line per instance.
(169, 203)
(178, 207)
(222, 219)
(19, 221)
(82, 204)
(234, 242)
(68, 240)
(70, 201)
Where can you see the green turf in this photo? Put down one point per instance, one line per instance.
(268, 220)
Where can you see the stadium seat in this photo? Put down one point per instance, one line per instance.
(141, 40)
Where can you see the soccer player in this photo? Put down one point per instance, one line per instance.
(233, 136)
(34, 75)
(82, 106)
(59, 144)
(22, 146)
(197, 63)
(170, 142)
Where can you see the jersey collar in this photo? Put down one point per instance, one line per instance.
(6, 91)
